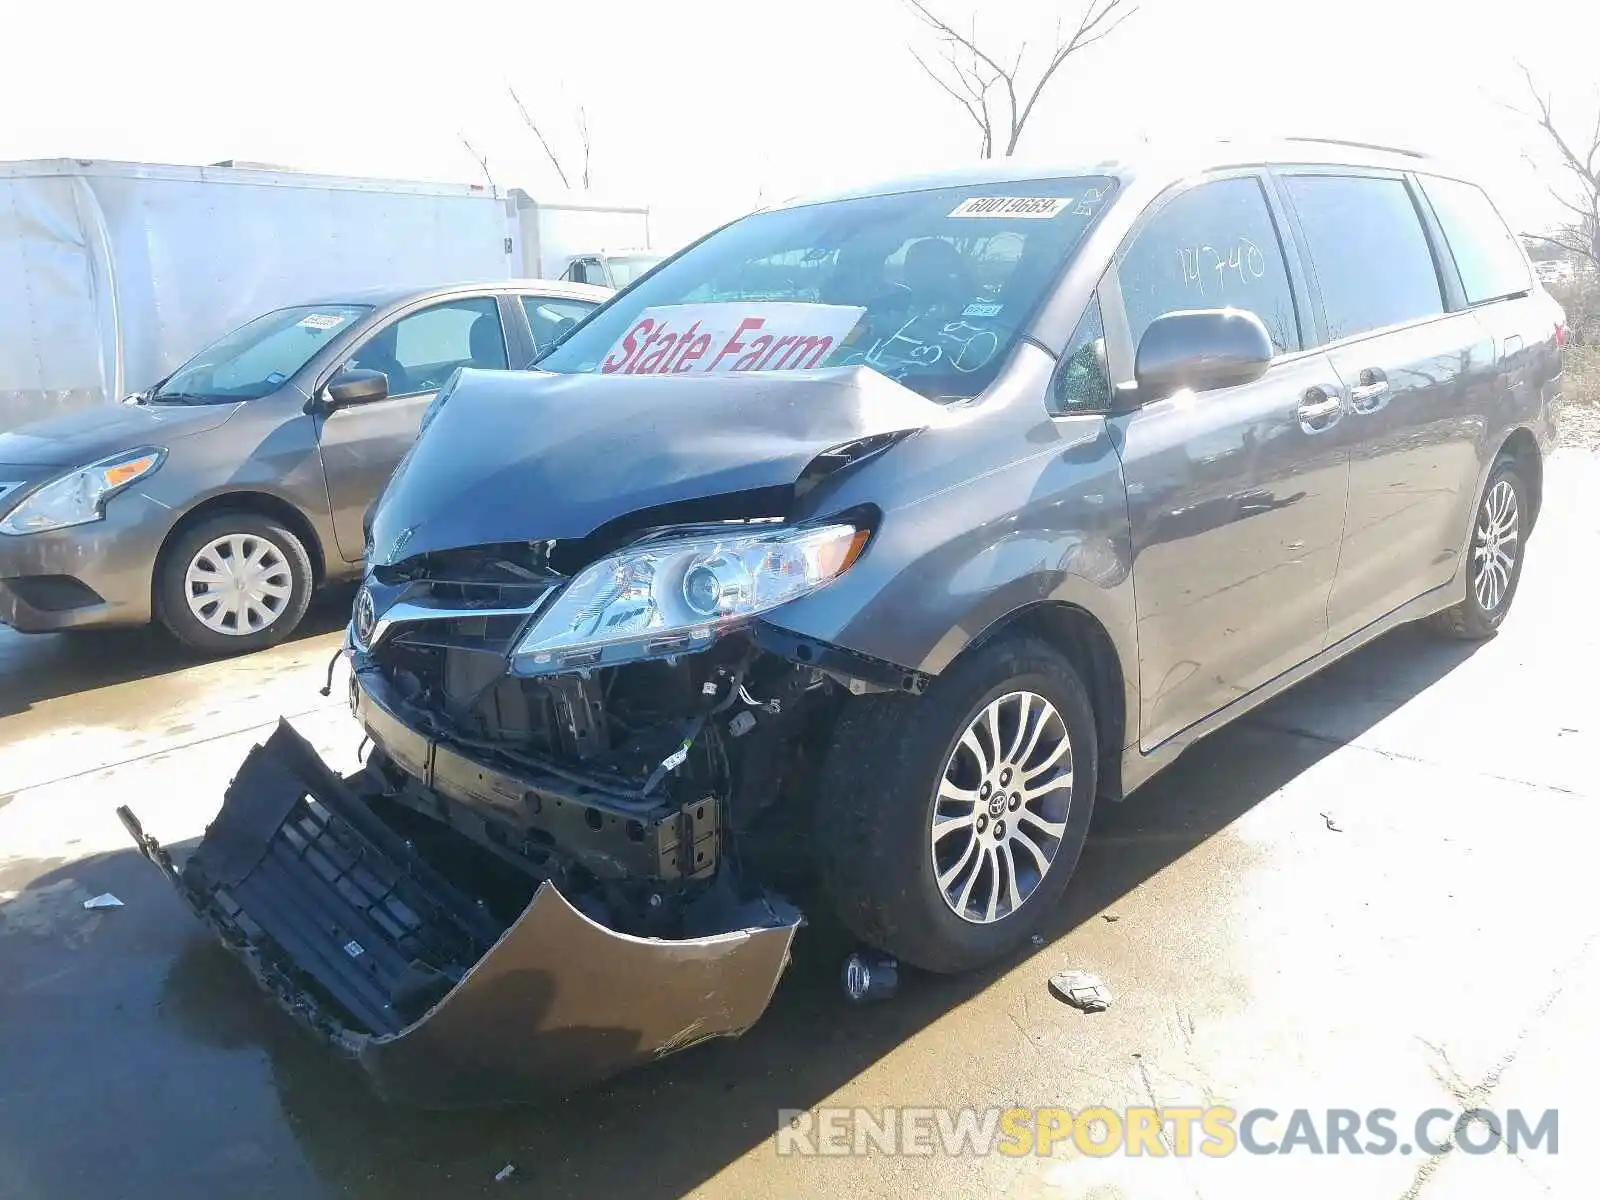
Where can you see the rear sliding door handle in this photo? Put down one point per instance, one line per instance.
(1371, 387)
(1319, 410)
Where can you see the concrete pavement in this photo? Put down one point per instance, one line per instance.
(1373, 893)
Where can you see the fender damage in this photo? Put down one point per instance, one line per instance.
(541, 879)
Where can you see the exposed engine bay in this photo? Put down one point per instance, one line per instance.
(629, 787)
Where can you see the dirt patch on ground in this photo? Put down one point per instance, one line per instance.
(1578, 415)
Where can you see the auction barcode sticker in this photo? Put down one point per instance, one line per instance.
(1037, 207)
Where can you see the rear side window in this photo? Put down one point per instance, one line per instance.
(1368, 251)
(1485, 253)
(548, 317)
(1214, 246)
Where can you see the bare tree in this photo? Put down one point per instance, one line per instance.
(582, 120)
(583, 138)
(1579, 189)
(481, 159)
(993, 93)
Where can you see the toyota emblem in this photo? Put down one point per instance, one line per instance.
(366, 617)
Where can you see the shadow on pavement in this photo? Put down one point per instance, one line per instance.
(47, 666)
(155, 1038)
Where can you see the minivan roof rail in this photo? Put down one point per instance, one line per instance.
(1328, 141)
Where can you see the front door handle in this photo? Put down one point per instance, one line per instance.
(1319, 410)
(1372, 386)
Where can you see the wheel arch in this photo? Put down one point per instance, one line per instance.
(263, 504)
(1089, 646)
(1523, 449)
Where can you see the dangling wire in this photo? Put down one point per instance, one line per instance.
(327, 688)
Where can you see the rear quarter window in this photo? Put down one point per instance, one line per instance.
(1490, 262)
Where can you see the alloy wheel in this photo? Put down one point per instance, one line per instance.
(1001, 808)
(1494, 546)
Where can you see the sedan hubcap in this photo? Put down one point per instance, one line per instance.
(1494, 546)
(1001, 809)
(238, 584)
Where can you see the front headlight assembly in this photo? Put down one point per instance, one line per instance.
(674, 596)
(80, 496)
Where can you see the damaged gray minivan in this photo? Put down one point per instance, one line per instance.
(873, 539)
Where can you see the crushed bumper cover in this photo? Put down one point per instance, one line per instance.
(346, 927)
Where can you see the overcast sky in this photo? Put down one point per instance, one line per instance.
(703, 106)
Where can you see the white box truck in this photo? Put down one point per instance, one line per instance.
(112, 274)
(581, 238)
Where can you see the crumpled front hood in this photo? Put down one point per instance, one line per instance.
(75, 438)
(531, 456)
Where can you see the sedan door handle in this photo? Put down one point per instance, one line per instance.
(1371, 387)
(1319, 411)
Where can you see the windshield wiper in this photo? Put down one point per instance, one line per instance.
(181, 398)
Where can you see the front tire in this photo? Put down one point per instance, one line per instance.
(1494, 567)
(949, 825)
(233, 583)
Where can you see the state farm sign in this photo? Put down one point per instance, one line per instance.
(715, 339)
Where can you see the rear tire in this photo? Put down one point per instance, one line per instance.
(1494, 564)
(233, 583)
(1003, 853)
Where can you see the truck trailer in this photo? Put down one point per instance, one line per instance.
(113, 273)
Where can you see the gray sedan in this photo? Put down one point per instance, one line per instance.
(217, 501)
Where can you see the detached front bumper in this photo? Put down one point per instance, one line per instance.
(443, 1006)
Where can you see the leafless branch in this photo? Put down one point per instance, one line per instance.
(1579, 163)
(949, 34)
(538, 133)
(1570, 240)
(583, 138)
(481, 159)
(1099, 20)
(975, 72)
(972, 107)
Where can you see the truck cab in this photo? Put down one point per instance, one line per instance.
(610, 268)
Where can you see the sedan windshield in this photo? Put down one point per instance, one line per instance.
(932, 288)
(256, 359)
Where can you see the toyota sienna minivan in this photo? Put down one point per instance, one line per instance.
(874, 539)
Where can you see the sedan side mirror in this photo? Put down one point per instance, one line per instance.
(356, 386)
(1201, 349)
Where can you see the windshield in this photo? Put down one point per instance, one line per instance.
(256, 359)
(625, 268)
(931, 288)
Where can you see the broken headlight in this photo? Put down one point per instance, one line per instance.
(676, 595)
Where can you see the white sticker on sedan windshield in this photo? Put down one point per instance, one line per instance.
(980, 308)
(1034, 207)
(322, 322)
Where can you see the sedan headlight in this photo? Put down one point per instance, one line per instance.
(80, 496)
(676, 595)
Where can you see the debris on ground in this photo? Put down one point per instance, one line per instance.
(103, 900)
(869, 976)
(1329, 819)
(505, 1173)
(1082, 990)
(1111, 918)
(1037, 939)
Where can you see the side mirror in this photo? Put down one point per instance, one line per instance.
(1202, 349)
(356, 386)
